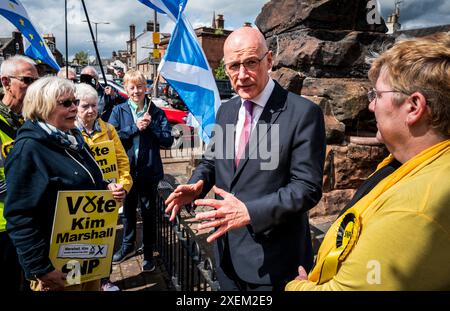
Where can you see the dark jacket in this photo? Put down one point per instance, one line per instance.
(278, 196)
(107, 102)
(36, 169)
(149, 168)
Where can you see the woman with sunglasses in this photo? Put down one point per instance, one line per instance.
(49, 155)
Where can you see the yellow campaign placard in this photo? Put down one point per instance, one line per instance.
(84, 229)
(105, 155)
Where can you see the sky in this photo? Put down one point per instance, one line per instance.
(48, 17)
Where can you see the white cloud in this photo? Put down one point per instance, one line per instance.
(419, 13)
(48, 17)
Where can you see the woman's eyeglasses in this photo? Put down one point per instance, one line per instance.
(373, 93)
(69, 102)
(26, 80)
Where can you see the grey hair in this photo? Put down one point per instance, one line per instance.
(86, 92)
(42, 97)
(8, 67)
(90, 68)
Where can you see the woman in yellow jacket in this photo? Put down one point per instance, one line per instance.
(395, 233)
(96, 131)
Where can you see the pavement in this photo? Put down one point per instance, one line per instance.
(128, 275)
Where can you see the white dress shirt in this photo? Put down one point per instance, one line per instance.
(260, 102)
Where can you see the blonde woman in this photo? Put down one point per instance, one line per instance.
(49, 155)
(142, 128)
(395, 232)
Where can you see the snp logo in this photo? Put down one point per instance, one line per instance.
(374, 274)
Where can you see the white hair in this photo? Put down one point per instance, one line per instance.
(8, 67)
(86, 92)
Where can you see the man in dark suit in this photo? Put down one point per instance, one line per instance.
(268, 177)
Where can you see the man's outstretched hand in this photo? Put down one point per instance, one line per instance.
(228, 214)
(182, 195)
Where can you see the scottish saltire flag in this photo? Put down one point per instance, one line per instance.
(14, 11)
(186, 69)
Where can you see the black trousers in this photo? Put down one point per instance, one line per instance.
(143, 196)
(10, 270)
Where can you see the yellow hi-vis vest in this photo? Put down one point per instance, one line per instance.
(4, 140)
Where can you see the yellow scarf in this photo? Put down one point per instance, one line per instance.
(344, 233)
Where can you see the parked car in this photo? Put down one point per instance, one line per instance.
(116, 87)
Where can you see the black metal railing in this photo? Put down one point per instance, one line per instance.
(184, 259)
(182, 254)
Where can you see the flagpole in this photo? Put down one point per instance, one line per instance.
(67, 42)
(95, 43)
(155, 67)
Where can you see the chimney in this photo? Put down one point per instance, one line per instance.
(132, 32)
(18, 39)
(17, 36)
(49, 37)
(220, 22)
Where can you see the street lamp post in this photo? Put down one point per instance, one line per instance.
(96, 23)
(96, 38)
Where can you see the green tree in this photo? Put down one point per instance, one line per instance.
(220, 73)
(81, 58)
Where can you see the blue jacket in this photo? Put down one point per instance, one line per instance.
(149, 168)
(36, 169)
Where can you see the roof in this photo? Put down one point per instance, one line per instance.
(421, 32)
(4, 42)
(144, 61)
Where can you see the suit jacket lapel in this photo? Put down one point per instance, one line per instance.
(275, 105)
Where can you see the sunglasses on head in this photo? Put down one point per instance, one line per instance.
(69, 102)
(26, 80)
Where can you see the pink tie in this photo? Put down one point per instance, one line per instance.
(246, 130)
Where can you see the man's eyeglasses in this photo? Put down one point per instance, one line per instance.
(373, 93)
(249, 64)
(26, 80)
(69, 102)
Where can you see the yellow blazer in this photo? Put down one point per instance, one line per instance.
(404, 242)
